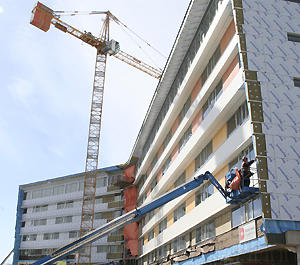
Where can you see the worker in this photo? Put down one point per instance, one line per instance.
(245, 170)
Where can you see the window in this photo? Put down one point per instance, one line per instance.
(153, 184)
(238, 216)
(71, 187)
(150, 215)
(205, 231)
(36, 194)
(167, 164)
(25, 196)
(74, 234)
(203, 156)
(151, 235)
(246, 212)
(167, 139)
(113, 249)
(155, 158)
(237, 161)
(98, 216)
(179, 212)
(118, 197)
(204, 192)
(293, 37)
(162, 225)
(101, 249)
(63, 205)
(237, 118)
(180, 180)
(59, 190)
(41, 208)
(39, 222)
(117, 213)
(51, 236)
(63, 219)
(23, 224)
(101, 182)
(24, 210)
(186, 136)
(181, 242)
(212, 98)
(296, 82)
(98, 200)
(29, 237)
(184, 109)
(211, 64)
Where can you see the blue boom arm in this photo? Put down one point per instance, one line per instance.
(129, 217)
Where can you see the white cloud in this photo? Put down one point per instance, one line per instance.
(22, 91)
(1, 9)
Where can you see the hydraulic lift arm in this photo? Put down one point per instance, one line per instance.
(127, 218)
(138, 213)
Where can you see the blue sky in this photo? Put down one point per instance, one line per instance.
(46, 84)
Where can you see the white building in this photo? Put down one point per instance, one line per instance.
(231, 88)
(49, 216)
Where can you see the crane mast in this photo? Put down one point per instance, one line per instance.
(42, 18)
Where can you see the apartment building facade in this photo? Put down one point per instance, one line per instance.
(49, 216)
(230, 88)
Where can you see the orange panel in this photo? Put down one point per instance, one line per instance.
(229, 33)
(196, 89)
(190, 203)
(219, 138)
(197, 121)
(175, 153)
(231, 72)
(42, 16)
(190, 170)
(160, 150)
(170, 219)
(220, 176)
(175, 126)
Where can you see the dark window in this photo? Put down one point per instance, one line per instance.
(162, 225)
(179, 212)
(180, 180)
(237, 118)
(184, 109)
(186, 136)
(293, 37)
(212, 98)
(296, 82)
(203, 156)
(24, 210)
(23, 224)
(25, 196)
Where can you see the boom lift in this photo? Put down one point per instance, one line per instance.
(42, 18)
(138, 213)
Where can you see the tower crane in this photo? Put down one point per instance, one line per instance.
(43, 17)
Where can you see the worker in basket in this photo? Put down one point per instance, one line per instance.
(239, 178)
(245, 171)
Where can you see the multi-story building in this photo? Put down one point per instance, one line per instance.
(49, 216)
(230, 88)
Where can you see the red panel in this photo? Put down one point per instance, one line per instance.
(231, 72)
(197, 121)
(227, 36)
(130, 195)
(42, 16)
(129, 174)
(196, 89)
(131, 230)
